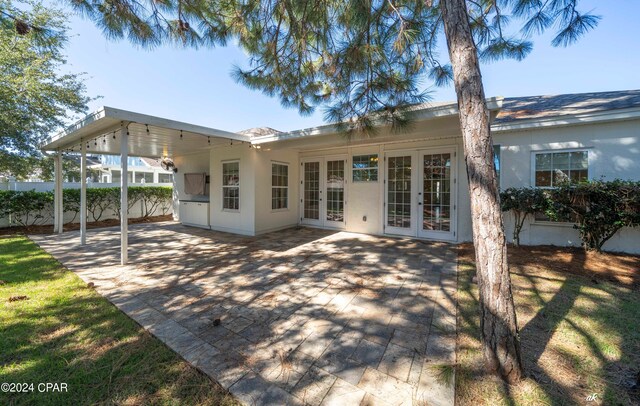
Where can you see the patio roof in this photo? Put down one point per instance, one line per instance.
(149, 136)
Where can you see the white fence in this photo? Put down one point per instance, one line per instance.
(136, 211)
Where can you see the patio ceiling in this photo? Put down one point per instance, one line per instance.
(149, 136)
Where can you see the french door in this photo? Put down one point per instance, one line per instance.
(420, 195)
(323, 187)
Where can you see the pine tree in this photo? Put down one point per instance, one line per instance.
(362, 61)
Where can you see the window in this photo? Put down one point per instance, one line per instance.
(552, 168)
(279, 186)
(231, 185)
(144, 177)
(365, 168)
(496, 161)
(165, 178)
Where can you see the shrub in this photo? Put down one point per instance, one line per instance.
(33, 208)
(156, 198)
(71, 202)
(100, 200)
(598, 208)
(27, 208)
(522, 202)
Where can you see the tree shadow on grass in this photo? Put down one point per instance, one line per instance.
(576, 331)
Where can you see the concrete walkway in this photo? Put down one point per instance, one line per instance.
(306, 316)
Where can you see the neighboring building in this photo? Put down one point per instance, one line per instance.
(141, 170)
(410, 184)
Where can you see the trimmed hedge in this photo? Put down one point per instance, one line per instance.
(522, 202)
(28, 208)
(599, 209)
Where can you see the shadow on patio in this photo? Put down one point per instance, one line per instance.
(300, 315)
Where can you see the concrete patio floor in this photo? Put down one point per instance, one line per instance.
(307, 316)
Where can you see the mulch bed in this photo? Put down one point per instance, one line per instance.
(620, 268)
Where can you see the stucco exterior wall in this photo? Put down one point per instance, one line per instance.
(268, 219)
(614, 152)
(243, 220)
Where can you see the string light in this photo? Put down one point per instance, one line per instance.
(209, 140)
(114, 135)
(180, 134)
(147, 125)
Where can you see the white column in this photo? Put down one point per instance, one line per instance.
(124, 201)
(58, 210)
(83, 192)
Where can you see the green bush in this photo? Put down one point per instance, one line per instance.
(71, 202)
(522, 202)
(156, 198)
(100, 200)
(27, 208)
(598, 208)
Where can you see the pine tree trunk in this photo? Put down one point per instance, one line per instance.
(501, 348)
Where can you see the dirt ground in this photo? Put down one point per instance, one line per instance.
(48, 229)
(623, 269)
(577, 315)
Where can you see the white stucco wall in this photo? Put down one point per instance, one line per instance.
(614, 152)
(367, 198)
(240, 221)
(266, 218)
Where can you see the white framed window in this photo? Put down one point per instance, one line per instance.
(552, 168)
(231, 185)
(365, 168)
(279, 186)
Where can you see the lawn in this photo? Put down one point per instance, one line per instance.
(66, 333)
(578, 316)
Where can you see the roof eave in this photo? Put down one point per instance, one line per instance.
(493, 104)
(569, 120)
(73, 134)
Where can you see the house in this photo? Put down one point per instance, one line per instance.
(141, 170)
(410, 184)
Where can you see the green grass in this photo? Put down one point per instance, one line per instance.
(578, 338)
(67, 333)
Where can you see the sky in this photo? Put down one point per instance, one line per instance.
(195, 86)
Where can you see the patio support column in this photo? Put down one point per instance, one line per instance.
(124, 201)
(58, 207)
(83, 192)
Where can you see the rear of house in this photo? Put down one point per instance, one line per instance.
(414, 183)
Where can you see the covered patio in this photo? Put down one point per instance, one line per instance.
(111, 131)
(300, 316)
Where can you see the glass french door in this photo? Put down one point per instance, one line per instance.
(437, 200)
(323, 192)
(420, 193)
(399, 190)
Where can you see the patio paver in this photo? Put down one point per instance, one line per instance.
(306, 316)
